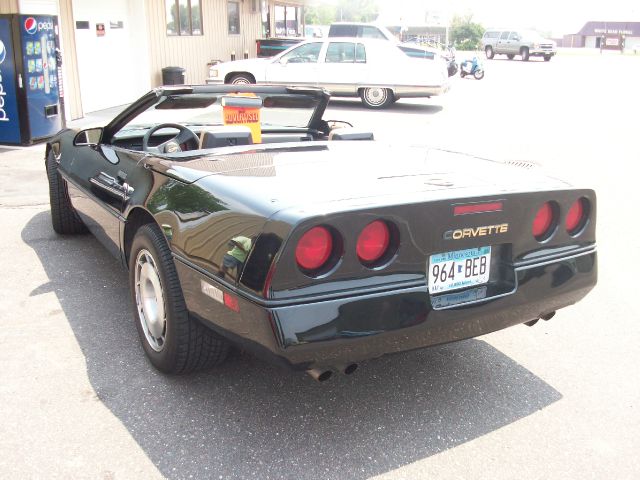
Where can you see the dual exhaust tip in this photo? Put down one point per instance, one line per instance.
(322, 375)
(545, 317)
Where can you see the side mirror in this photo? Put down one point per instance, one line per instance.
(88, 138)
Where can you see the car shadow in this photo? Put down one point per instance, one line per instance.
(400, 106)
(250, 419)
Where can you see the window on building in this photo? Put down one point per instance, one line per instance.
(233, 15)
(184, 17)
(266, 18)
(288, 21)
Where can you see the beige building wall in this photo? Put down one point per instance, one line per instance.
(194, 52)
(8, 6)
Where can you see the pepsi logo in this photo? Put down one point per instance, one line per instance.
(3, 52)
(30, 25)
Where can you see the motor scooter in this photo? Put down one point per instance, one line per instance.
(472, 67)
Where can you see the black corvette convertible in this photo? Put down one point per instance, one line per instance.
(306, 242)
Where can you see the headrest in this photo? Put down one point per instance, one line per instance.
(226, 136)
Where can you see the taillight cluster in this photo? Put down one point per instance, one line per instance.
(546, 221)
(320, 248)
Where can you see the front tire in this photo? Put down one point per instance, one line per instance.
(242, 79)
(478, 74)
(524, 53)
(547, 58)
(173, 341)
(488, 51)
(510, 56)
(376, 97)
(64, 218)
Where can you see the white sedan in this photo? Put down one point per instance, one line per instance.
(375, 70)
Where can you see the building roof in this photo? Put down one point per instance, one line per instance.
(594, 29)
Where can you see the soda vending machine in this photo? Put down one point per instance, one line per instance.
(30, 89)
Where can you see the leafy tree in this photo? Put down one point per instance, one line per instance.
(466, 34)
(357, 10)
(319, 14)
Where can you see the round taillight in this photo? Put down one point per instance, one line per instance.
(314, 248)
(576, 216)
(373, 242)
(543, 221)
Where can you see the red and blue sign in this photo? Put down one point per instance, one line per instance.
(30, 25)
(3, 52)
(9, 119)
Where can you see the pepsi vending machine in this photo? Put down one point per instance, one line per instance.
(30, 90)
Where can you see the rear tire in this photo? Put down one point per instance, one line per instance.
(510, 56)
(242, 79)
(488, 51)
(376, 97)
(64, 218)
(524, 53)
(547, 58)
(173, 341)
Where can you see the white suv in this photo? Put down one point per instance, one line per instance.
(526, 43)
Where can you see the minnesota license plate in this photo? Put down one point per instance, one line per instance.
(459, 269)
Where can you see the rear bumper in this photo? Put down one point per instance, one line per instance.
(340, 331)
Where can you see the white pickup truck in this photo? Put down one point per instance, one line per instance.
(526, 43)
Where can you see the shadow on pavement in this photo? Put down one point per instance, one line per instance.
(399, 107)
(248, 419)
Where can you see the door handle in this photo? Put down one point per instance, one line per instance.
(111, 186)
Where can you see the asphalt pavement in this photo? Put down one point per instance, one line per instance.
(78, 398)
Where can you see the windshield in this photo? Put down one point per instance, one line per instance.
(278, 111)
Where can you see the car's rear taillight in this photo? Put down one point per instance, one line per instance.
(373, 242)
(314, 249)
(544, 222)
(577, 216)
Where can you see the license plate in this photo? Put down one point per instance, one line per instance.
(459, 269)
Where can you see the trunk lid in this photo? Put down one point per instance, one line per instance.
(340, 176)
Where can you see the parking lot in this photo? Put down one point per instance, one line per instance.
(78, 398)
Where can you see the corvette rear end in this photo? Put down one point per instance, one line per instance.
(303, 241)
(336, 280)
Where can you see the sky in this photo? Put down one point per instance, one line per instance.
(557, 17)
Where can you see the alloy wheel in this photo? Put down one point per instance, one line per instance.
(150, 302)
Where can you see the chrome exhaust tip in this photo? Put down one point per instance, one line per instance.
(319, 375)
(349, 369)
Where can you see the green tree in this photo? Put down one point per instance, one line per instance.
(466, 34)
(319, 14)
(342, 11)
(357, 10)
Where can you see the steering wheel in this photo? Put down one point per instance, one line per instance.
(172, 145)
